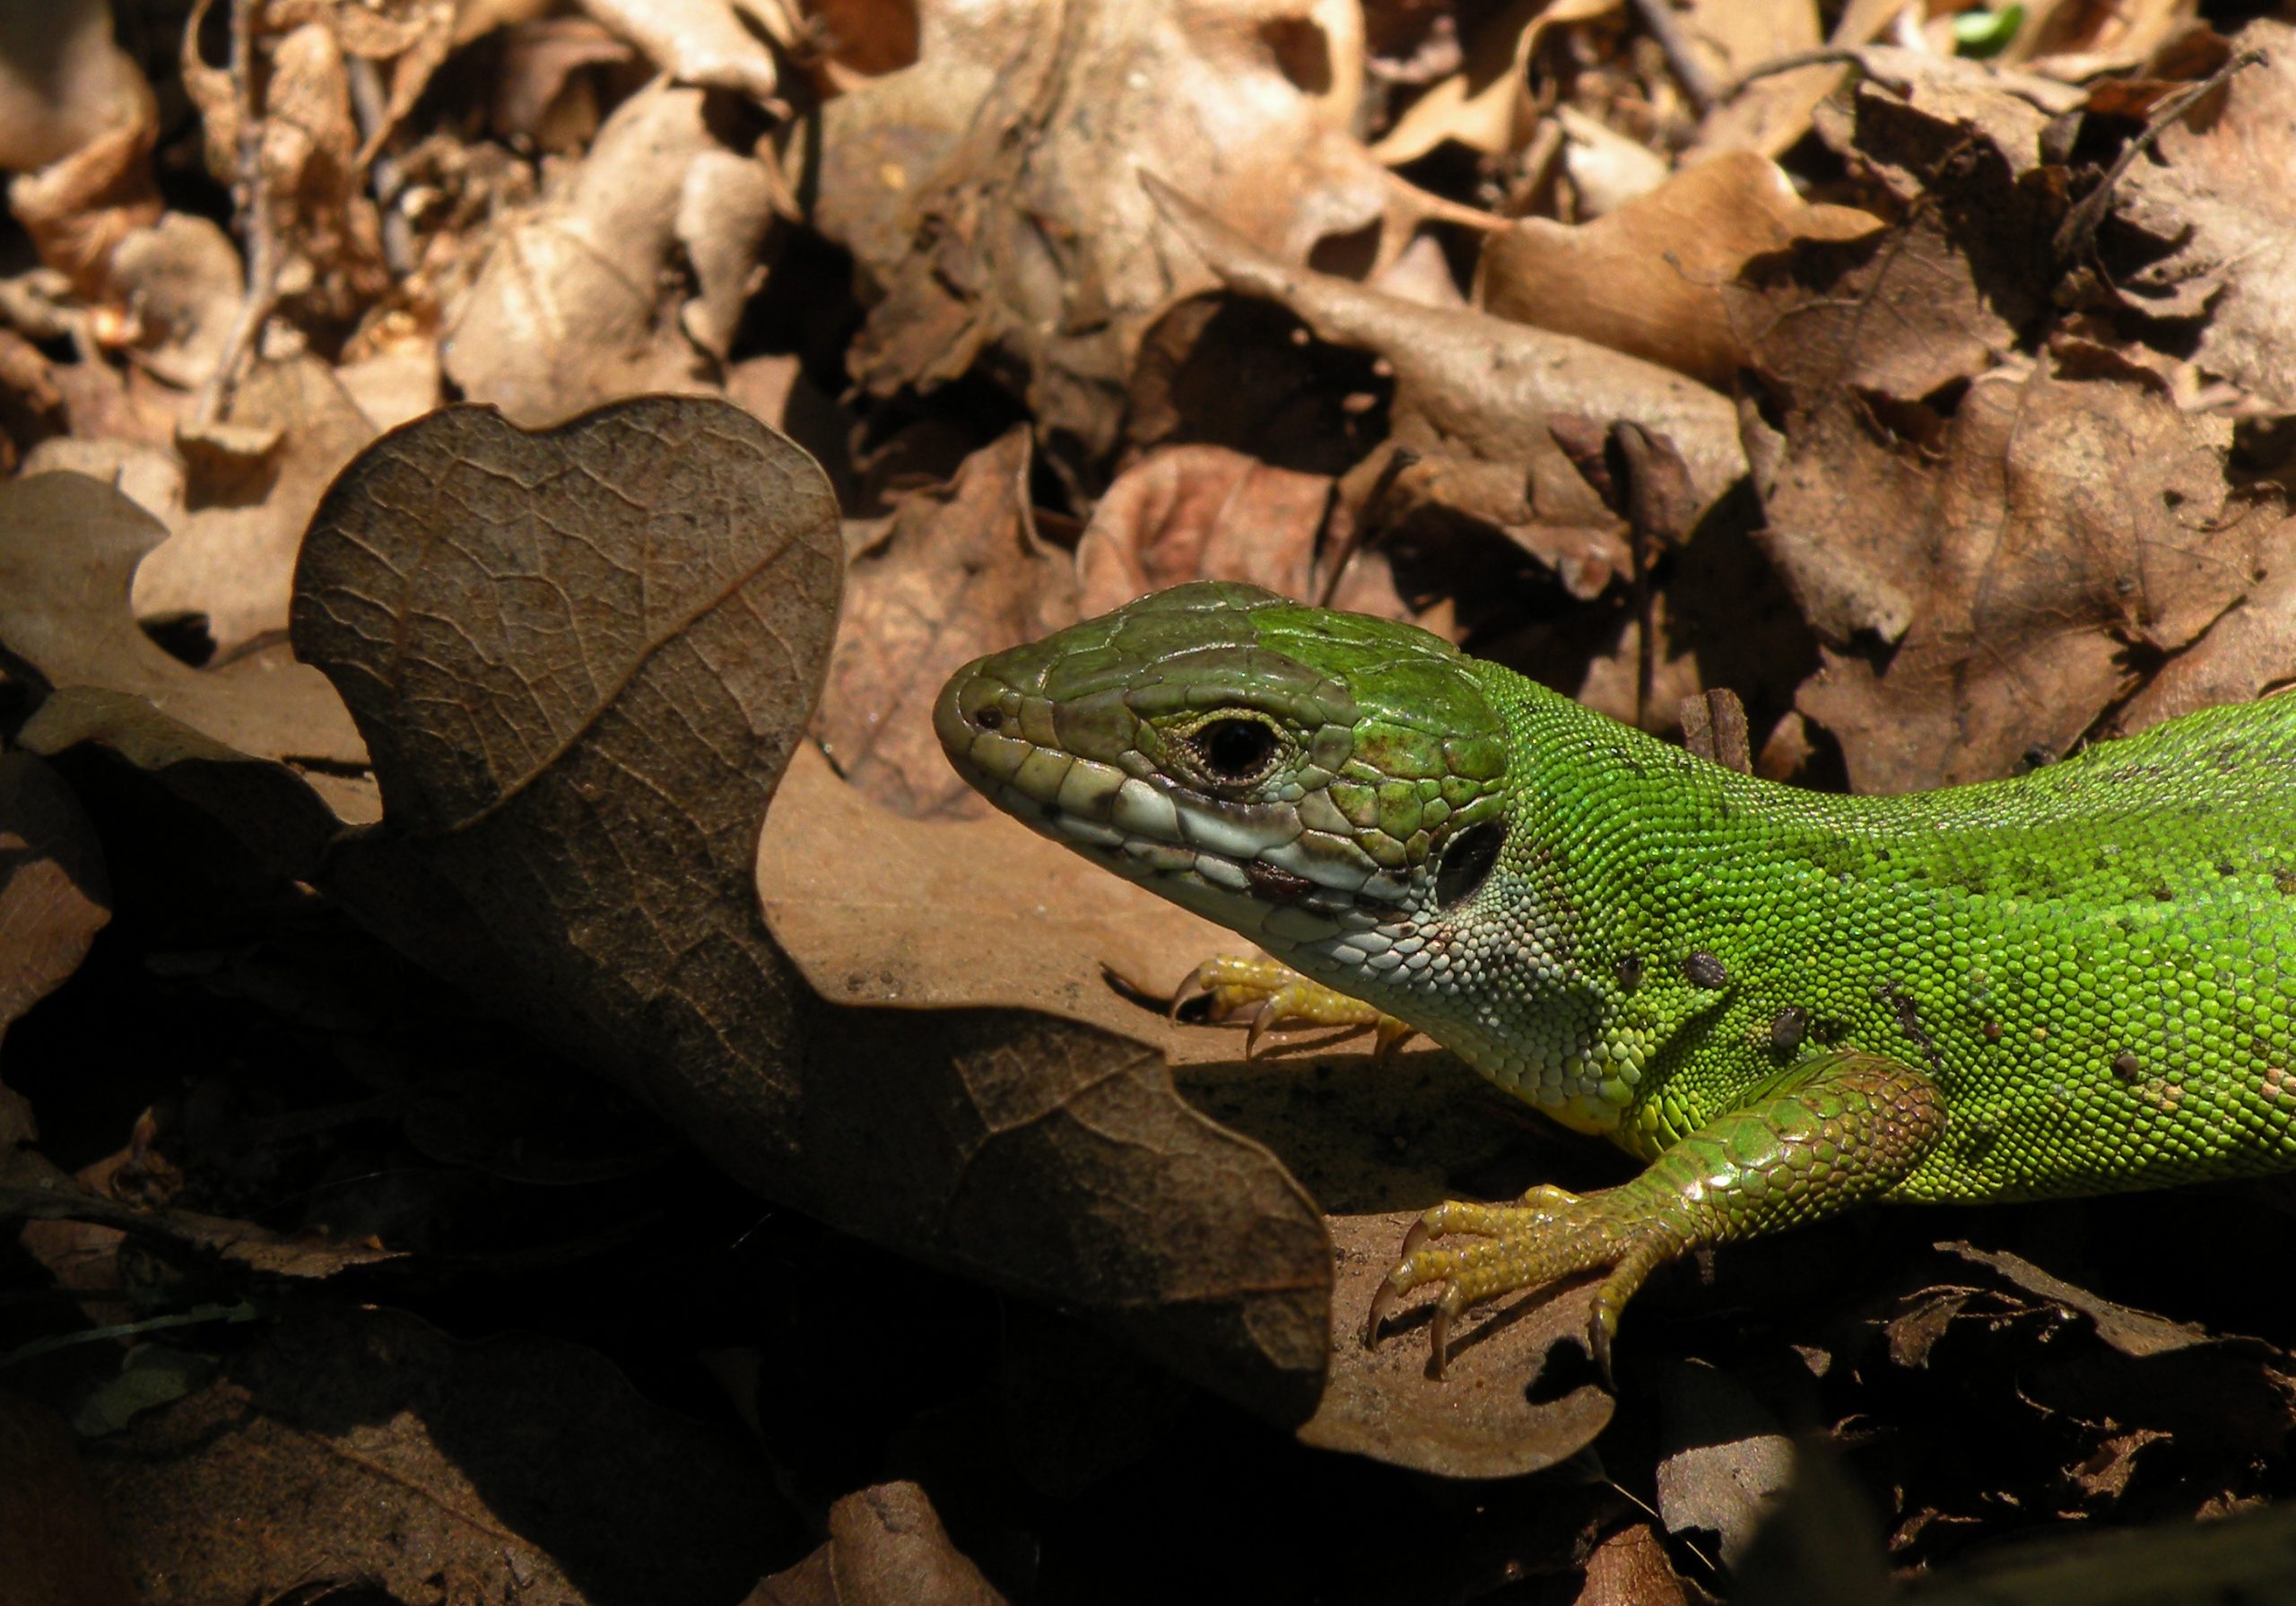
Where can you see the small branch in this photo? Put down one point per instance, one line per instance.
(1658, 17)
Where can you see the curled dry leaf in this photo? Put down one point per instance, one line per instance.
(567, 311)
(53, 894)
(885, 1545)
(2014, 553)
(1485, 104)
(1010, 149)
(953, 574)
(2215, 205)
(1475, 395)
(68, 548)
(2081, 40)
(697, 42)
(77, 124)
(1660, 277)
(2136, 1334)
(1490, 1416)
(1205, 512)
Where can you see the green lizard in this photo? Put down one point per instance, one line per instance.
(2081, 980)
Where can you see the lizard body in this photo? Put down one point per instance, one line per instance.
(2076, 981)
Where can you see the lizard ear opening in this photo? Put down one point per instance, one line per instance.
(1467, 859)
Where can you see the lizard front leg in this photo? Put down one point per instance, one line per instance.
(1836, 1132)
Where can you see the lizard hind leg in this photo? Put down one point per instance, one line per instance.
(1834, 1132)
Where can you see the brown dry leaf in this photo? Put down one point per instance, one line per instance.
(68, 546)
(1913, 112)
(285, 817)
(1059, 1162)
(1631, 1568)
(64, 83)
(34, 1191)
(2249, 651)
(544, 94)
(1724, 1458)
(2012, 554)
(1731, 37)
(698, 42)
(77, 120)
(182, 280)
(2081, 40)
(53, 894)
(886, 1547)
(574, 777)
(1205, 512)
(362, 1443)
(988, 192)
(1768, 115)
(251, 483)
(2216, 205)
(322, 223)
(79, 207)
(518, 621)
(1487, 105)
(1488, 1417)
(1606, 169)
(568, 311)
(953, 574)
(878, 909)
(1659, 278)
(1938, 297)
(1475, 396)
(2138, 1333)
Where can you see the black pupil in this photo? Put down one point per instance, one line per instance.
(1467, 862)
(1235, 748)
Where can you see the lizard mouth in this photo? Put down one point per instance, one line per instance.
(1142, 857)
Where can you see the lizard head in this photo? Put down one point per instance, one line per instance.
(1299, 776)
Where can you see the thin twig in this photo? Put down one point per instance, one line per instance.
(262, 233)
(384, 178)
(1793, 61)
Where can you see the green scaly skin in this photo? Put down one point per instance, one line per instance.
(2081, 980)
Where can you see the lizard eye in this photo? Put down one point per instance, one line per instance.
(1466, 863)
(1234, 751)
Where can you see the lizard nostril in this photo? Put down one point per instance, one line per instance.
(989, 719)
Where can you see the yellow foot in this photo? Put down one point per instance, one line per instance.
(1550, 1234)
(1834, 1132)
(1275, 998)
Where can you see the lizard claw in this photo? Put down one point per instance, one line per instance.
(1548, 1234)
(1273, 997)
